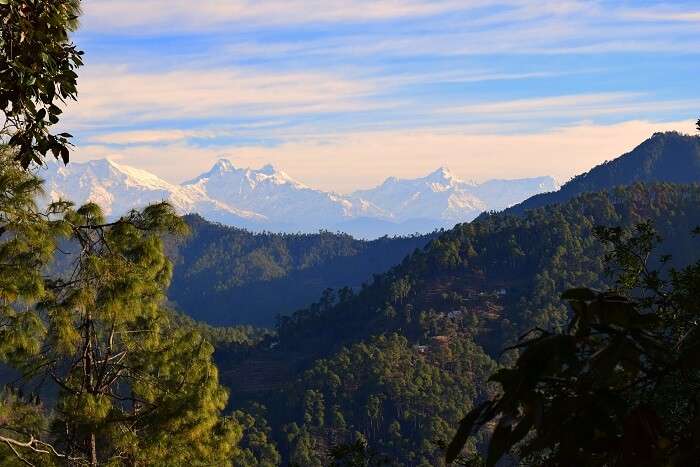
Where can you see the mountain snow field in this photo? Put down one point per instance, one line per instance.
(269, 199)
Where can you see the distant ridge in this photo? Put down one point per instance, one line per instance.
(267, 199)
(228, 276)
(664, 157)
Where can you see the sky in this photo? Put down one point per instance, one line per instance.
(342, 94)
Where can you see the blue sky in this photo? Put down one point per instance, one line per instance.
(342, 94)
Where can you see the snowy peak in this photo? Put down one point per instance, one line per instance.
(442, 175)
(438, 195)
(439, 180)
(132, 176)
(219, 169)
(272, 193)
(118, 188)
(100, 181)
(224, 171)
(271, 174)
(442, 195)
(223, 165)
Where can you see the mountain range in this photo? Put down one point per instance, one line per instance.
(268, 199)
(224, 275)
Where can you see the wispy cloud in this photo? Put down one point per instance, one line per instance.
(171, 135)
(578, 106)
(185, 15)
(117, 94)
(664, 13)
(145, 137)
(438, 26)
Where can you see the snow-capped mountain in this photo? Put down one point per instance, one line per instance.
(278, 197)
(442, 195)
(119, 188)
(269, 199)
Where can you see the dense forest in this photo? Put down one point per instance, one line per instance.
(229, 276)
(402, 358)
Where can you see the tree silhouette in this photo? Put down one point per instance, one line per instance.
(37, 75)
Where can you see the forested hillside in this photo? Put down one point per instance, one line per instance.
(228, 276)
(665, 157)
(393, 364)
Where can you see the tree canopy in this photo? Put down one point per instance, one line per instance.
(396, 357)
(617, 387)
(102, 375)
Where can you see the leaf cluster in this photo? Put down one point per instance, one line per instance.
(617, 387)
(38, 76)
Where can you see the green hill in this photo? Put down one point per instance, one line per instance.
(665, 157)
(393, 363)
(229, 276)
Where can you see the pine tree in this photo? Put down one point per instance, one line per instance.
(131, 388)
(122, 384)
(27, 243)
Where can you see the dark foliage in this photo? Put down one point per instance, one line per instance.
(229, 276)
(618, 387)
(223, 337)
(37, 75)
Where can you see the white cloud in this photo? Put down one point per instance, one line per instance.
(149, 136)
(518, 106)
(663, 14)
(116, 95)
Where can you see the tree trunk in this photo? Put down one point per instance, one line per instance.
(93, 451)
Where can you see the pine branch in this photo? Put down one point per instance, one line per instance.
(34, 445)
